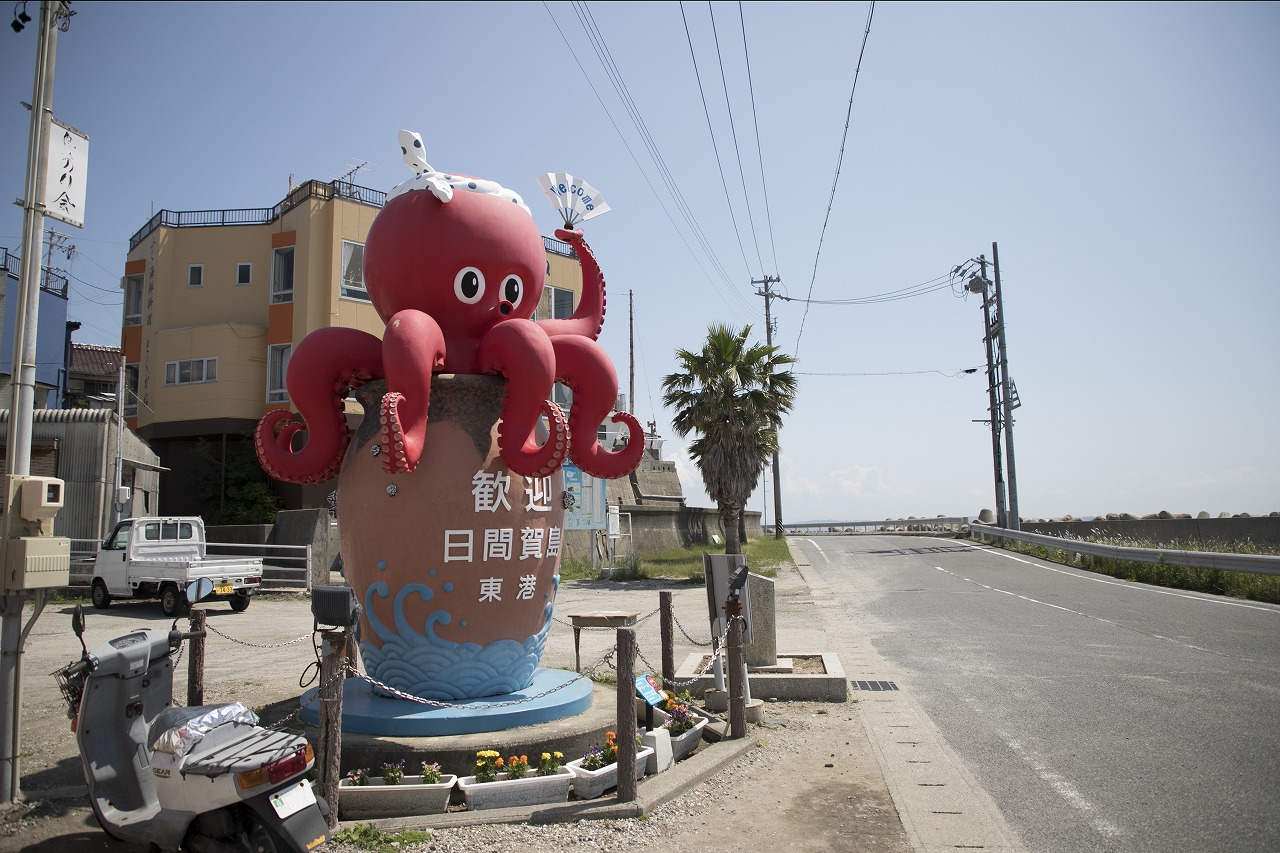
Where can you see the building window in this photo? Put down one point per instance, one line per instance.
(556, 304)
(133, 300)
(191, 371)
(277, 370)
(353, 271)
(244, 275)
(195, 275)
(130, 390)
(282, 275)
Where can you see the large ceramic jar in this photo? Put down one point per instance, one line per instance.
(457, 563)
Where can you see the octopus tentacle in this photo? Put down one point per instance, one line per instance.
(583, 365)
(526, 457)
(520, 351)
(348, 358)
(413, 349)
(588, 319)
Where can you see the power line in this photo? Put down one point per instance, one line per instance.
(840, 159)
(950, 374)
(945, 282)
(764, 186)
(711, 130)
(645, 174)
(588, 22)
(733, 129)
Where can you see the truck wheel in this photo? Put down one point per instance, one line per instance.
(171, 600)
(101, 599)
(240, 602)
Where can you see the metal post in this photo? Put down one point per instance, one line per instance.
(626, 732)
(117, 507)
(23, 390)
(1014, 521)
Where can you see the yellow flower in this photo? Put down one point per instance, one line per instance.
(557, 755)
(546, 756)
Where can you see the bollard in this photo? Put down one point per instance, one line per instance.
(668, 638)
(737, 671)
(626, 733)
(195, 661)
(333, 667)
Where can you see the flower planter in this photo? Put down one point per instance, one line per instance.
(505, 793)
(682, 745)
(376, 799)
(589, 784)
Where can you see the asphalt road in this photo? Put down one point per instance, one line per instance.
(1099, 715)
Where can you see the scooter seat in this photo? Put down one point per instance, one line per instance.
(178, 730)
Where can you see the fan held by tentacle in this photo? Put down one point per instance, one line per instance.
(575, 199)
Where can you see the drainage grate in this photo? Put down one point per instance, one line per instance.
(873, 685)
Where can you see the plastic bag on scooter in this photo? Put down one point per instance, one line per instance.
(177, 730)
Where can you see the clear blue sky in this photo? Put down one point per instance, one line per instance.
(1124, 157)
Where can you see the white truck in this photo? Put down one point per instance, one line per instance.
(157, 557)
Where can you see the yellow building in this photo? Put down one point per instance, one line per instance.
(214, 302)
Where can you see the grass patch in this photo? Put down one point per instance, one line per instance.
(1246, 585)
(366, 836)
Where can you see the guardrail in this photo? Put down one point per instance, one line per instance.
(283, 566)
(889, 524)
(1257, 564)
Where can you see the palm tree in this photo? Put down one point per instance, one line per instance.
(733, 394)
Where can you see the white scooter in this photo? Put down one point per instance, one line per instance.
(206, 779)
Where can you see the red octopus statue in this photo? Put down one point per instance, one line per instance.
(455, 270)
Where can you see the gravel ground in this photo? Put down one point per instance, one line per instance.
(807, 784)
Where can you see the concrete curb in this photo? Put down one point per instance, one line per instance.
(652, 792)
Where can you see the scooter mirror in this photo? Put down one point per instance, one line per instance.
(77, 620)
(199, 590)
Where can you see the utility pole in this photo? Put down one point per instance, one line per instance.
(1009, 394)
(768, 336)
(1002, 394)
(54, 14)
(978, 284)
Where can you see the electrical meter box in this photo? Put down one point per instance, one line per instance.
(33, 557)
(41, 498)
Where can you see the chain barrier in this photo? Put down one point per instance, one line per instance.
(686, 633)
(292, 642)
(710, 661)
(409, 697)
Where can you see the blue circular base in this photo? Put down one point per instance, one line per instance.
(363, 712)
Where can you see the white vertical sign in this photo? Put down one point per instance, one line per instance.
(66, 170)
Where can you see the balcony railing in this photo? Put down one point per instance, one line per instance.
(259, 215)
(264, 215)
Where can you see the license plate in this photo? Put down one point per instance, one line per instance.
(224, 589)
(293, 800)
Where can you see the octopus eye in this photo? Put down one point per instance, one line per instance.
(468, 284)
(513, 289)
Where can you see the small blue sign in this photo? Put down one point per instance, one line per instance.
(647, 687)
